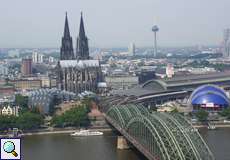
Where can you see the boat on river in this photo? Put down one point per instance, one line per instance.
(86, 133)
(211, 127)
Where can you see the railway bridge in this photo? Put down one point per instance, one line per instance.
(158, 136)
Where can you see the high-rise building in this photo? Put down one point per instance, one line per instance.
(226, 49)
(37, 58)
(132, 49)
(67, 44)
(3, 70)
(51, 59)
(40, 58)
(26, 67)
(82, 48)
(170, 70)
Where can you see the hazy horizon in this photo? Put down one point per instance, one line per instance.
(40, 24)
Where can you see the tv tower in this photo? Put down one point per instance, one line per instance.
(155, 29)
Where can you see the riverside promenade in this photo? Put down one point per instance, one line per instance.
(56, 131)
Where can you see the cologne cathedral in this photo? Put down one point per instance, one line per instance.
(76, 71)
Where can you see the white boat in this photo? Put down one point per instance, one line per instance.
(211, 127)
(86, 133)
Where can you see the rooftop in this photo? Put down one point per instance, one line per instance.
(158, 86)
(79, 63)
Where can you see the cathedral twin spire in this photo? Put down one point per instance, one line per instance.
(66, 28)
(67, 44)
(82, 49)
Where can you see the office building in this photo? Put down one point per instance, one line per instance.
(37, 58)
(170, 70)
(132, 49)
(26, 68)
(3, 70)
(26, 84)
(226, 49)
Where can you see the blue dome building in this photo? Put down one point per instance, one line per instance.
(209, 97)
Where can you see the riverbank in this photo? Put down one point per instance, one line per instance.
(216, 126)
(101, 129)
(66, 131)
(58, 131)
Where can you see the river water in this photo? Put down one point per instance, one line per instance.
(65, 147)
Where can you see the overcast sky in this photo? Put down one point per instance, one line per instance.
(113, 23)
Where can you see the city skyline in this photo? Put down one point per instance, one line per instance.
(114, 80)
(114, 24)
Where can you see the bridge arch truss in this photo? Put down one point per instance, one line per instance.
(162, 136)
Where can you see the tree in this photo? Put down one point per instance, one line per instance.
(225, 113)
(87, 102)
(7, 122)
(28, 121)
(58, 121)
(21, 101)
(35, 110)
(77, 116)
(25, 121)
(202, 115)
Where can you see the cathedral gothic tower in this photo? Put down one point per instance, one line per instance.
(82, 48)
(67, 44)
(77, 73)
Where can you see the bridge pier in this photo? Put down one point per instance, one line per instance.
(122, 143)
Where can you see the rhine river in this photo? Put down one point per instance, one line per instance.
(65, 147)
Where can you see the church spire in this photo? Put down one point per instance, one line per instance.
(66, 28)
(67, 44)
(82, 49)
(82, 28)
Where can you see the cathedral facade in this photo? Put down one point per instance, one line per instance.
(77, 72)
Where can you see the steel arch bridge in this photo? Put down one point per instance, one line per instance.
(159, 136)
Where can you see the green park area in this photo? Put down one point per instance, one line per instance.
(32, 119)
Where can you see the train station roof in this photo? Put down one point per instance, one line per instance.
(181, 83)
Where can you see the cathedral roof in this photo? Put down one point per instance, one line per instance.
(79, 63)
